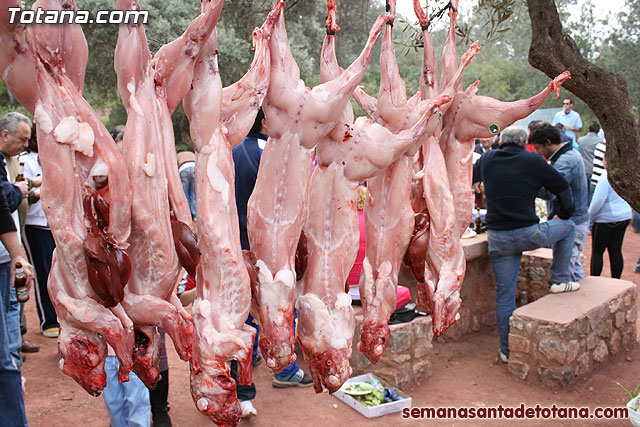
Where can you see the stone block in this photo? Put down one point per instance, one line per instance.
(583, 364)
(592, 340)
(536, 273)
(359, 360)
(516, 323)
(554, 330)
(619, 319)
(519, 369)
(615, 305)
(519, 343)
(596, 317)
(398, 376)
(552, 376)
(601, 351)
(629, 336)
(400, 339)
(422, 349)
(573, 349)
(553, 350)
(392, 359)
(422, 327)
(615, 342)
(604, 328)
(628, 300)
(582, 326)
(632, 314)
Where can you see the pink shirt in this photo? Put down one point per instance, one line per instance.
(354, 274)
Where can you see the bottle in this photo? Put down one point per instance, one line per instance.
(20, 176)
(22, 292)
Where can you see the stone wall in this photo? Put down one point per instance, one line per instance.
(406, 360)
(535, 272)
(478, 290)
(562, 336)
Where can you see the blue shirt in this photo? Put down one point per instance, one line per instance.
(572, 119)
(246, 158)
(569, 164)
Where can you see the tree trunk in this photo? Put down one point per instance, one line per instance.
(552, 51)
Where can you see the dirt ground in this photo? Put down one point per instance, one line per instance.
(465, 373)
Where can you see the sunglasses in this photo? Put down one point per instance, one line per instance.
(566, 103)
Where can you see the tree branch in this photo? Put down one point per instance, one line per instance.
(552, 51)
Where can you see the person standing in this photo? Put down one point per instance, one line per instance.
(568, 162)
(570, 119)
(610, 215)
(512, 178)
(187, 170)
(15, 131)
(587, 146)
(11, 397)
(39, 243)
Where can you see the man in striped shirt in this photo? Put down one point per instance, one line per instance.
(598, 166)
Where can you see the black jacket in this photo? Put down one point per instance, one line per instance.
(512, 178)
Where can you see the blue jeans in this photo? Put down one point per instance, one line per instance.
(576, 270)
(505, 252)
(11, 400)
(127, 403)
(188, 178)
(13, 327)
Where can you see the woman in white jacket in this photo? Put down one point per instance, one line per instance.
(610, 215)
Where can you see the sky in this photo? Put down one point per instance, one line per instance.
(405, 7)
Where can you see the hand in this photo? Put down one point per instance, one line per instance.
(36, 181)
(29, 273)
(23, 186)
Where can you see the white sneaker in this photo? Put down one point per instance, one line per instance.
(556, 288)
(247, 409)
(503, 357)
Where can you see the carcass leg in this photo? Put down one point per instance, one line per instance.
(151, 310)
(325, 335)
(146, 355)
(277, 297)
(81, 348)
(379, 301)
(212, 389)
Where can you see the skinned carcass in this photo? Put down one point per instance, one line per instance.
(220, 118)
(297, 117)
(85, 194)
(161, 240)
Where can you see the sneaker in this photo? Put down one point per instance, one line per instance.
(299, 379)
(556, 288)
(29, 347)
(503, 357)
(247, 409)
(51, 332)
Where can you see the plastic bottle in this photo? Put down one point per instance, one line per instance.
(22, 292)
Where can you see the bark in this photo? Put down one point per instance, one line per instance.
(552, 51)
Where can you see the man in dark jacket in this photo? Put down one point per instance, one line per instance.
(512, 178)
